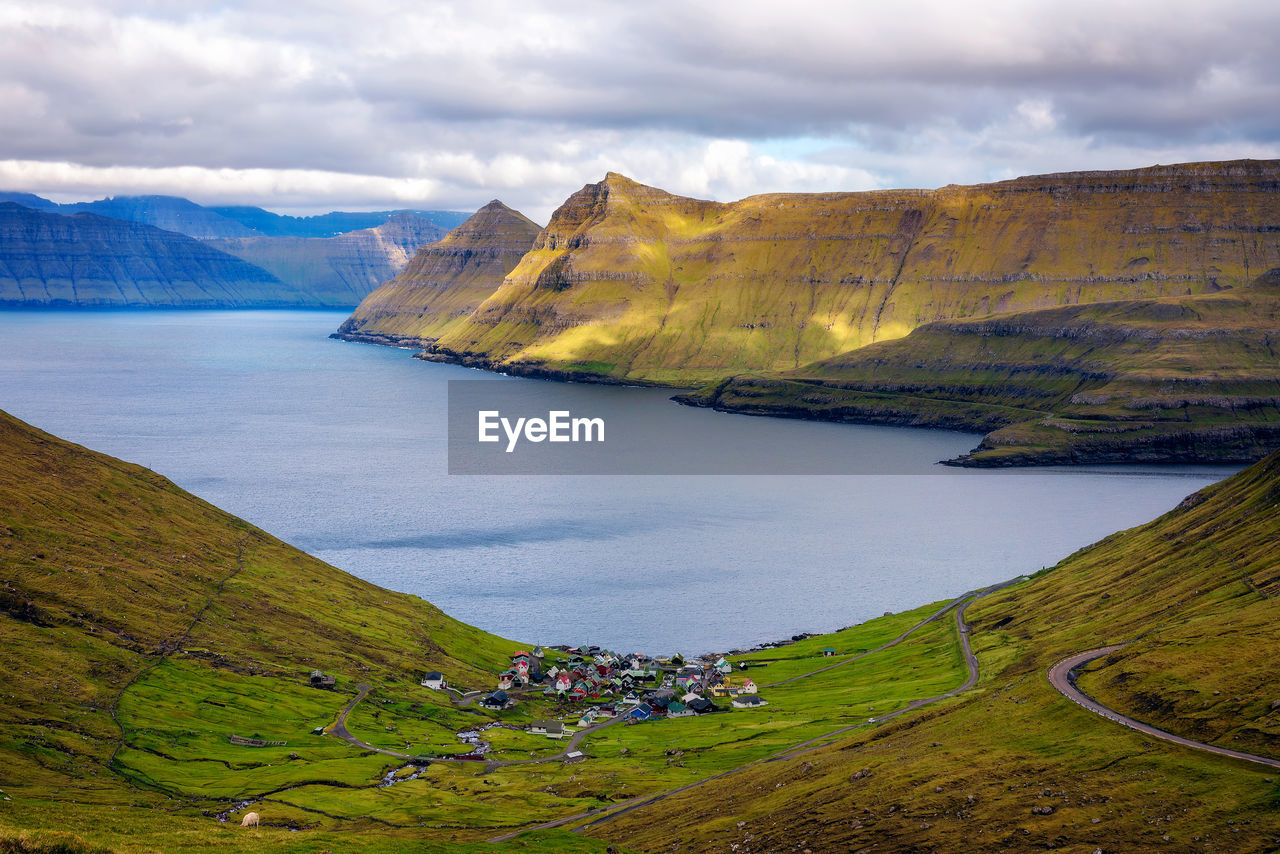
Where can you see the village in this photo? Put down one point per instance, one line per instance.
(604, 685)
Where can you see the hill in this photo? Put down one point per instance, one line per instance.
(89, 261)
(140, 628)
(1178, 379)
(339, 270)
(1012, 765)
(630, 283)
(445, 282)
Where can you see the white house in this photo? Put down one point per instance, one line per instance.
(434, 680)
(749, 701)
(551, 729)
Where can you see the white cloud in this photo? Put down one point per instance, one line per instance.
(329, 103)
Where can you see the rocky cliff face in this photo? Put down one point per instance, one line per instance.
(89, 261)
(340, 271)
(446, 281)
(631, 283)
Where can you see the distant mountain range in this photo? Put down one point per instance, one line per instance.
(184, 216)
(89, 261)
(332, 260)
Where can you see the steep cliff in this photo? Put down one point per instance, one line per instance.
(89, 261)
(1177, 379)
(341, 270)
(628, 282)
(446, 281)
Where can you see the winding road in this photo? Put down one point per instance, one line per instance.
(960, 604)
(1063, 677)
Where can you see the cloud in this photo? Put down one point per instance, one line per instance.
(329, 103)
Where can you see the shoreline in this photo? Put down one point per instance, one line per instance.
(1173, 449)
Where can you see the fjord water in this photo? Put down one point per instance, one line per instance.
(340, 449)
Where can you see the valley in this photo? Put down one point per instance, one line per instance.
(145, 698)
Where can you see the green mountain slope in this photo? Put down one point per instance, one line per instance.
(445, 281)
(90, 261)
(628, 282)
(1182, 379)
(1014, 766)
(141, 627)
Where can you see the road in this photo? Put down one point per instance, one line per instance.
(971, 661)
(1062, 676)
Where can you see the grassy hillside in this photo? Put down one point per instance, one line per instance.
(630, 283)
(1014, 766)
(445, 281)
(1175, 379)
(140, 627)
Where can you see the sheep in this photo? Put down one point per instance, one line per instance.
(250, 820)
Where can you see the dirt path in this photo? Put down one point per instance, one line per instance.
(339, 729)
(1062, 677)
(166, 649)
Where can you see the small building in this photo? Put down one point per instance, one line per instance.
(702, 706)
(679, 710)
(748, 687)
(551, 729)
(641, 712)
(828, 651)
(723, 666)
(574, 756)
(749, 701)
(323, 680)
(498, 701)
(435, 681)
(538, 652)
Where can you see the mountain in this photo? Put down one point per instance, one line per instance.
(340, 270)
(269, 224)
(140, 627)
(30, 200)
(174, 213)
(1012, 765)
(89, 261)
(694, 290)
(171, 213)
(446, 281)
(1178, 379)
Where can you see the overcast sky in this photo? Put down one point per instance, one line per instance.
(331, 104)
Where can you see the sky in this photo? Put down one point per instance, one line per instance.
(316, 105)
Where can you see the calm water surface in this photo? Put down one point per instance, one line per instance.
(340, 449)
